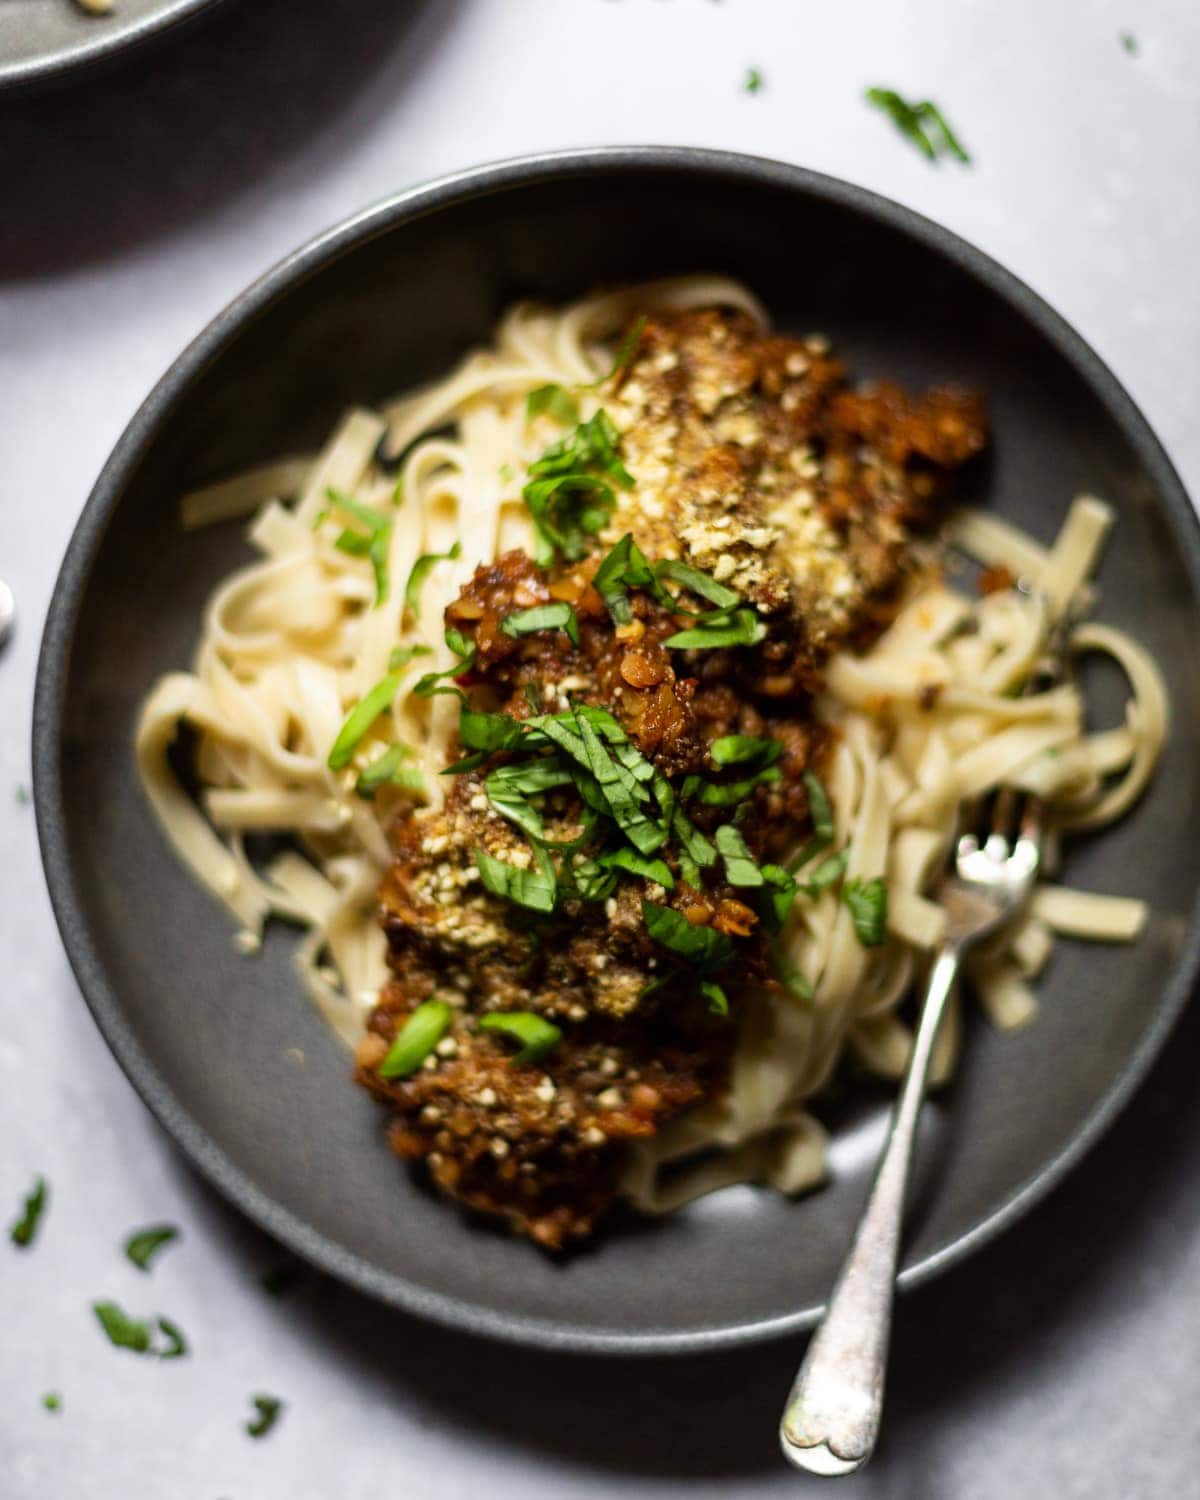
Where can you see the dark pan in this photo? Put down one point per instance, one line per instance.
(388, 300)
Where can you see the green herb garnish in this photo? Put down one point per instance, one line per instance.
(625, 352)
(420, 571)
(389, 770)
(24, 1231)
(701, 584)
(402, 655)
(741, 627)
(360, 719)
(700, 945)
(416, 1039)
(718, 1000)
(827, 873)
(726, 793)
(52, 1401)
(428, 686)
(535, 888)
(142, 1247)
(558, 616)
(738, 749)
(867, 900)
(740, 866)
(135, 1333)
(268, 1409)
(373, 543)
(923, 124)
(570, 491)
(1129, 42)
(777, 896)
(634, 863)
(625, 568)
(754, 81)
(556, 401)
(822, 820)
(536, 1035)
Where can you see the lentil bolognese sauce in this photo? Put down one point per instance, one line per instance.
(620, 706)
(651, 723)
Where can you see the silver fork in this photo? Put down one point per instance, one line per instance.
(831, 1420)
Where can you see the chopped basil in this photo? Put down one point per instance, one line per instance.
(625, 351)
(570, 490)
(142, 1247)
(135, 1333)
(24, 1230)
(789, 976)
(428, 686)
(558, 616)
(268, 1409)
(736, 749)
(728, 793)
(52, 1401)
(701, 945)
(556, 401)
(420, 571)
(923, 123)
(719, 629)
(388, 770)
(536, 1035)
(416, 1039)
(1129, 42)
(536, 889)
(480, 731)
(718, 1000)
(625, 568)
(176, 1346)
(402, 655)
(754, 81)
(636, 864)
(740, 866)
(360, 719)
(588, 881)
(778, 894)
(372, 544)
(701, 584)
(467, 763)
(867, 900)
(827, 873)
(819, 807)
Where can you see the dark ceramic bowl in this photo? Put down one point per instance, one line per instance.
(389, 300)
(44, 38)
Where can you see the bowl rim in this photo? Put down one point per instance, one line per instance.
(108, 41)
(49, 705)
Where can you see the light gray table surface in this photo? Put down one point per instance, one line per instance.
(134, 202)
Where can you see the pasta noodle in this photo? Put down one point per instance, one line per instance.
(925, 721)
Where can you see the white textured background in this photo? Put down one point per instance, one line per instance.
(133, 204)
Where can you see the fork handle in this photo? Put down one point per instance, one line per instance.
(831, 1419)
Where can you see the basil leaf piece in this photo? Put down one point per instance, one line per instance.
(737, 749)
(777, 896)
(827, 873)
(388, 770)
(142, 1247)
(428, 686)
(52, 1401)
(790, 977)
(416, 1039)
(625, 567)
(701, 584)
(819, 807)
(366, 515)
(718, 1001)
(402, 655)
(536, 1035)
(420, 571)
(867, 900)
(467, 763)
(360, 719)
(134, 1333)
(728, 793)
(625, 351)
(741, 868)
(709, 634)
(701, 945)
(635, 864)
(754, 80)
(555, 400)
(480, 731)
(589, 881)
(922, 123)
(374, 544)
(696, 845)
(557, 616)
(268, 1409)
(176, 1346)
(536, 889)
(24, 1230)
